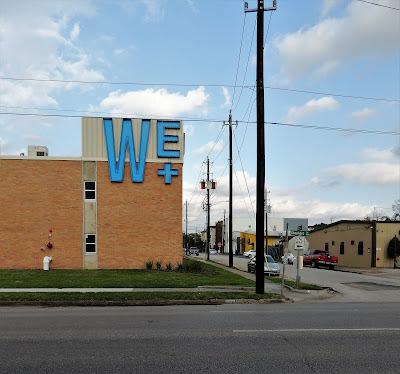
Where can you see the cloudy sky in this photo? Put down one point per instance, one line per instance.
(331, 70)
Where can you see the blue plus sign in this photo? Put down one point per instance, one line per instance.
(168, 172)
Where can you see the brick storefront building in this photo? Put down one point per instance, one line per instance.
(86, 213)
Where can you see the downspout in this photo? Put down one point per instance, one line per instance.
(373, 254)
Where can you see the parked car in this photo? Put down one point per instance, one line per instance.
(290, 258)
(316, 258)
(194, 250)
(250, 253)
(270, 266)
(213, 251)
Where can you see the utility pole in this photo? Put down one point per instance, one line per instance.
(230, 190)
(260, 144)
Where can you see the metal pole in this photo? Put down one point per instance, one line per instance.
(186, 242)
(298, 269)
(208, 209)
(284, 262)
(223, 235)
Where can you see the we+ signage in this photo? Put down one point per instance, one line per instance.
(116, 168)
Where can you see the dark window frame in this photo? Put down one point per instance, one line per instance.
(90, 192)
(90, 243)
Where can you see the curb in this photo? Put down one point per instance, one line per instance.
(91, 303)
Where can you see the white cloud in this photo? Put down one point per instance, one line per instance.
(34, 139)
(38, 43)
(225, 92)
(189, 130)
(373, 173)
(328, 6)
(75, 32)
(363, 114)
(324, 47)
(206, 148)
(154, 10)
(312, 106)
(380, 154)
(152, 102)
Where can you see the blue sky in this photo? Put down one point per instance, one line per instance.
(185, 57)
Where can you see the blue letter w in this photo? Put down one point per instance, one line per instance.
(117, 169)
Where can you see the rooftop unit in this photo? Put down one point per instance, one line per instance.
(37, 150)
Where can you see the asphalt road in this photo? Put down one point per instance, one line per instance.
(351, 287)
(277, 338)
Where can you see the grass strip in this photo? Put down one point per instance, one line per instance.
(204, 275)
(124, 296)
(303, 286)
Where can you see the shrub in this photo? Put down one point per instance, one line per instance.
(194, 267)
(179, 266)
(394, 247)
(149, 265)
(158, 265)
(168, 266)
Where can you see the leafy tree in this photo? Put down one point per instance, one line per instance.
(394, 247)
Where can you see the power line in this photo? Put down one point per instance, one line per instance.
(206, 120)
(238, 64)
(384, 6)
(245, 73)
(327, 128)
(195, 85)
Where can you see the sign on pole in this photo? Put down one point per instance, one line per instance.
(300, 233)
(299, 243)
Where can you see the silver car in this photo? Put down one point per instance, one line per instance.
(270, 266)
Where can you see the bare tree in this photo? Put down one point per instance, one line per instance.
(396, 210)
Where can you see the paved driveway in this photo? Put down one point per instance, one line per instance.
(374, 285)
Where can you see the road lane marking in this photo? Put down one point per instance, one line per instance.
(322, 330)
(282, 311)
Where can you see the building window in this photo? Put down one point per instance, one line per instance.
(333, 242)
(326, 247)
(90, 190)
(90, 243)
(342, 248)
(360, 248)
(40, 154)
(352, 242)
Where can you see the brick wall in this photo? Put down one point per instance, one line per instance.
(35, 196)
(137, 222)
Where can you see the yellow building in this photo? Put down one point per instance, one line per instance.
(360, 244)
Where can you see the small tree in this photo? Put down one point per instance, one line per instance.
(394, 247)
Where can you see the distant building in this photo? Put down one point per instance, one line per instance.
(244, 231)
(359, 244)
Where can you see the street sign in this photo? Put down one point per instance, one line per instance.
(299, 243)
(300, 233)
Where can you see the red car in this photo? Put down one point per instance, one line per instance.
(317, 258)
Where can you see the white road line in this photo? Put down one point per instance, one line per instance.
(282, 311)
(321, 330)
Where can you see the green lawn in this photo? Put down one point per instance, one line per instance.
(209, 276)
(124, 296)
